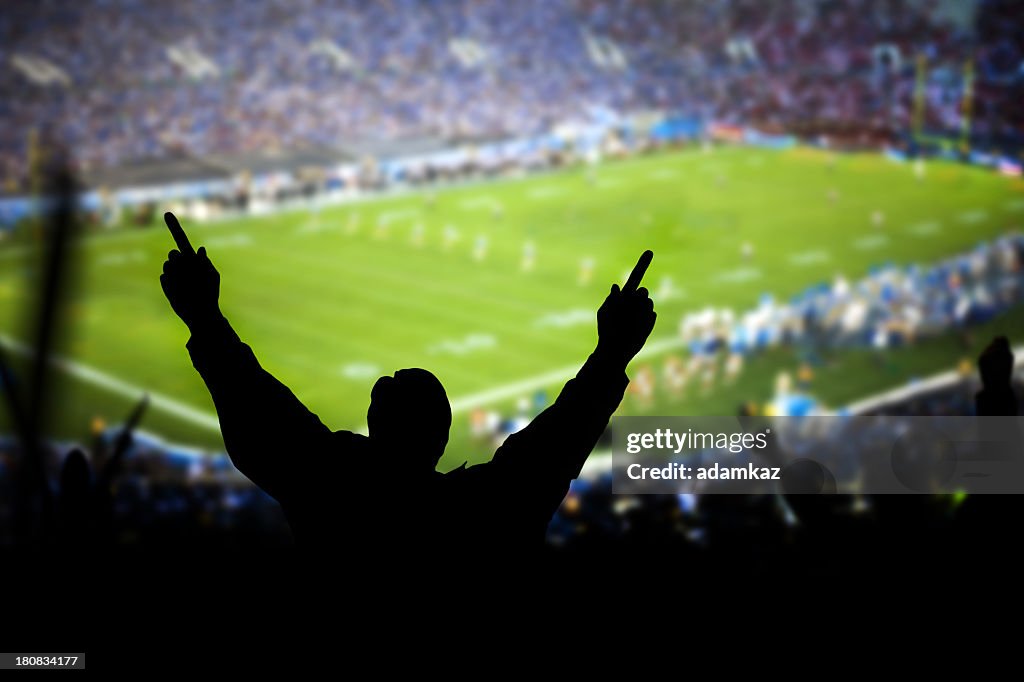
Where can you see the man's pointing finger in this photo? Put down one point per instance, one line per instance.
(180, 239)
(638, 272)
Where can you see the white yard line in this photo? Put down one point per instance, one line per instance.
(228, 241)
(872, 242)
(388, 217)
(122, 258)
(739, 276)
(545, 192)
(518, 388)
(485, 202)
(209, 421)
(513, 390)
(972, 217)
(95, 377)
(806, 258)
(925, 228)
(663, 174)
(934, 382)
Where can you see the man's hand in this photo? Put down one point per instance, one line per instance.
(190, 282)
(627, 316)
(996, 364)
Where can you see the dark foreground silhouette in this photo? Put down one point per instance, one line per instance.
(330, 483)
(995, 365)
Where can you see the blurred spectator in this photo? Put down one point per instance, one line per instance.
(121, 80)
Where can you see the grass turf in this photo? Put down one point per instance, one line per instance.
(331, 300)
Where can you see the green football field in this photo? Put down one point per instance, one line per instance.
(331, 300)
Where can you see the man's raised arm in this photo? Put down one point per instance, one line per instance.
(267, 431)
(546, 455)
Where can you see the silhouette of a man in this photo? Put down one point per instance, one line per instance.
(382, 492)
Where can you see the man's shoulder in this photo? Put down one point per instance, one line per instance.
(342, 455)
(465, 475)
(350, 439)
(351, 449)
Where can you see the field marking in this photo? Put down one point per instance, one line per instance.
(925, 228)
(869, 243)
(518, 388)
(459, 405)
(545, 192)
(317, 334)
(114, 259)
(481, 203)
(388, 217)
(739, 275)
(95, 377)
(663, 174)
(667, 291)
(440, 312)
(918, 387)
(469, 344)
(371, 274)
(808, 258)
(972, 217)
(359, 371)
(210, 422)
(568, 318)
(312, 226)
(229, 241)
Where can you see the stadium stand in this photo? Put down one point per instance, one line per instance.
(332, 73)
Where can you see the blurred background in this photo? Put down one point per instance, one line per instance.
(832, 189)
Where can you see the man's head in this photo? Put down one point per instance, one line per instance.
(410, 415)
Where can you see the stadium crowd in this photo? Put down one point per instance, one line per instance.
(894, 306)
(161, 495)
(121, 80)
